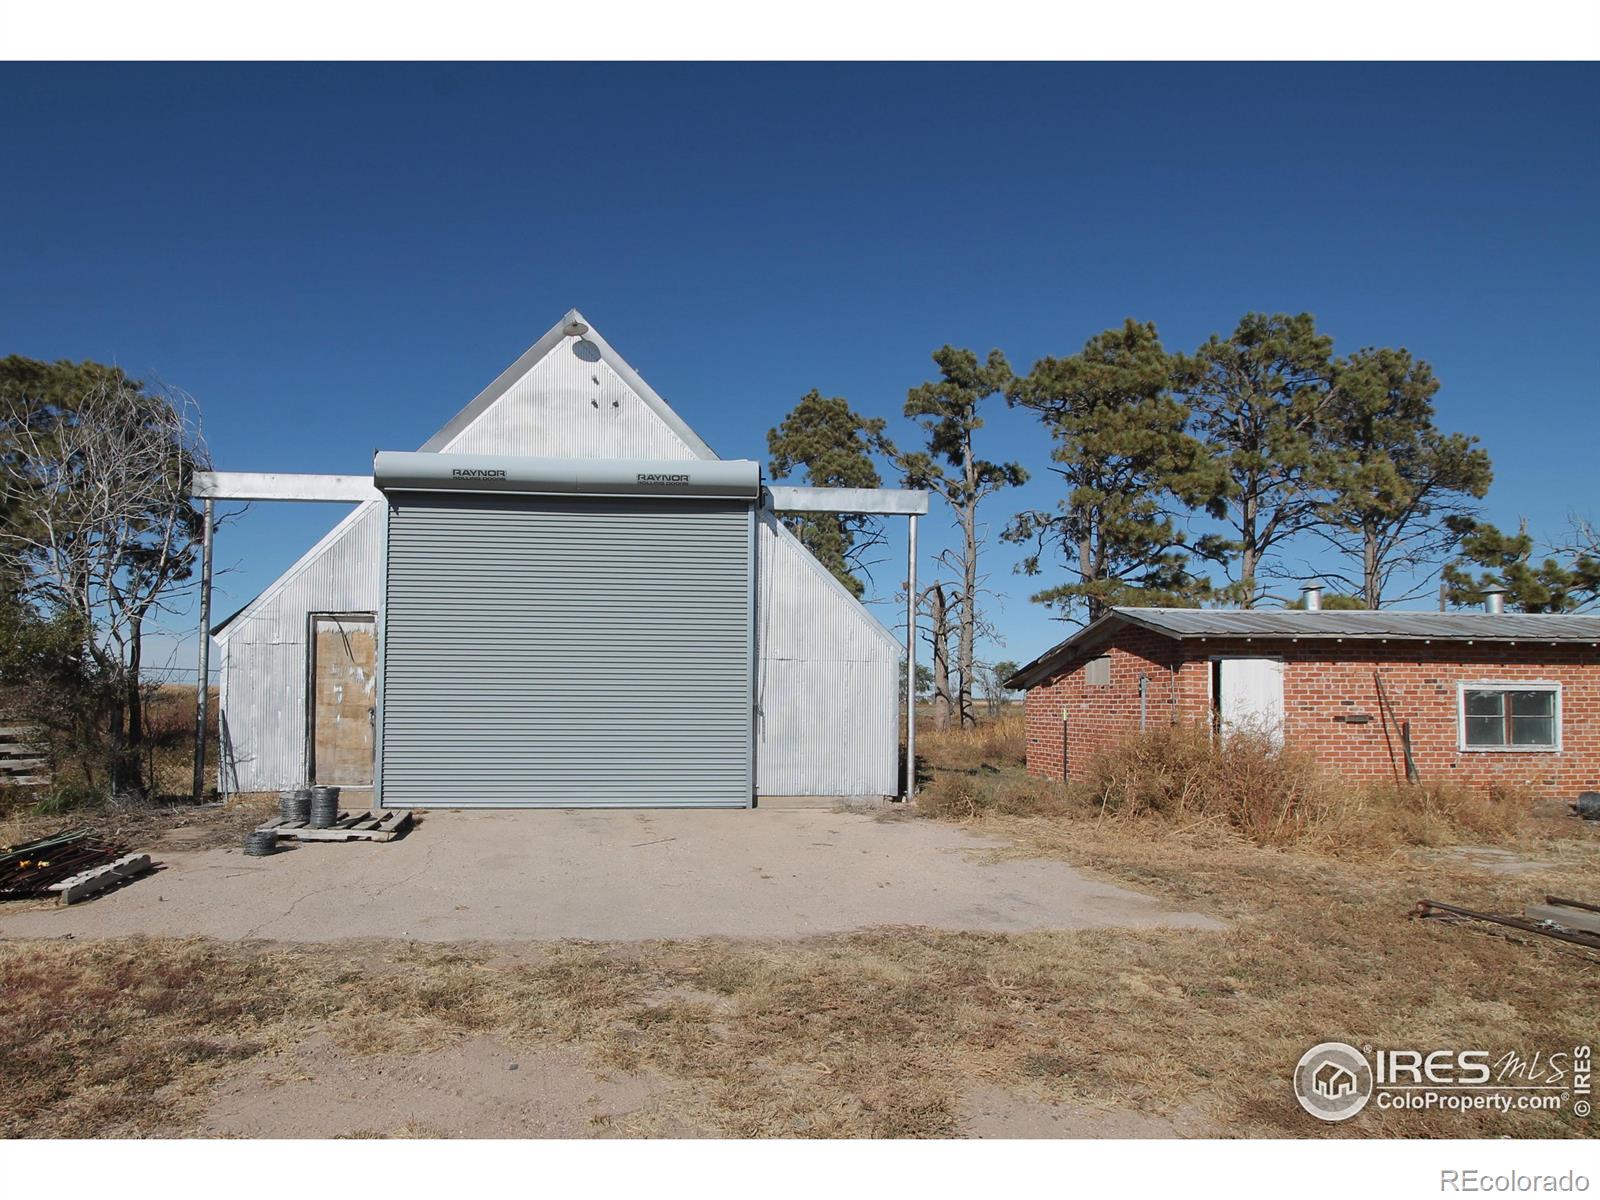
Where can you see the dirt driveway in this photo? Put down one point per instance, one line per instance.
(613, 876)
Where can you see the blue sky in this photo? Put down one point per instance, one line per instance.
(334, 259)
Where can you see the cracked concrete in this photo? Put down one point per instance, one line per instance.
(609, 875)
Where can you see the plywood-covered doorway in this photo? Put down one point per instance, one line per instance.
(344, 698)
(1247, 696)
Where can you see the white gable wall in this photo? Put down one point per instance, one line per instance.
(265, 655)
(828, 692)
(827, 680)
(568, 408)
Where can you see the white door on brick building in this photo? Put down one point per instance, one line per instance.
(1247, 694)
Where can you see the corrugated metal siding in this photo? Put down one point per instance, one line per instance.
(1357, 623)
(828, 688)
(564, 652)
(264, 655)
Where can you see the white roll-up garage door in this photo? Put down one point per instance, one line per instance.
(566, 651)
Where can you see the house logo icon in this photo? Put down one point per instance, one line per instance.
(1333, 1081)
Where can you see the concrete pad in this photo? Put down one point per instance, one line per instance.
(1497, 861)
(609, 875)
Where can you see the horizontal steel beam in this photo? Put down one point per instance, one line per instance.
(898, 501)
(278, 485)
(275, 485)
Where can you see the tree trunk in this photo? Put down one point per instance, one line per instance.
(1371, 582)
(1087, 574)
(1249, 560)
(118, 776)
(134, 698)
(939, 615)
(969, 611)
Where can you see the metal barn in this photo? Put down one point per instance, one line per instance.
(564, 599)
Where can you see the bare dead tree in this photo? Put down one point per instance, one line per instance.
(934, 599)
(108, 532)
(1585, 536)
(946, 603)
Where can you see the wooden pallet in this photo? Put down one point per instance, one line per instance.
(97, 879)
(380, 826)
(22, 763)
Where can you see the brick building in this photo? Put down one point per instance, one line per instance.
(1479, 698)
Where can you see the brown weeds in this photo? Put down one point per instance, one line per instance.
(1266, 793)
(998, 742)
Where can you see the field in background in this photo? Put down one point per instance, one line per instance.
(169, 721)
(168, 763)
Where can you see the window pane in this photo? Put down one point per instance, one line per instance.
(1484, 704)
(1532, 704)
(1485, 731)
(1533, 731)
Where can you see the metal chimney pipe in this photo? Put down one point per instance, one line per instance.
(1494, 600)
(1311, 593)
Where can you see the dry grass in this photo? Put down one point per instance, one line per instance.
(1318, 881)
(965, 772)
(883, 1033)
(144, 823)
(1275, 795)
(167, 764)
(876, 1034)
(1179, 776)
(1000, 741)
(1321, 948)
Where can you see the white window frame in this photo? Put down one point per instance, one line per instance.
(1498, 685)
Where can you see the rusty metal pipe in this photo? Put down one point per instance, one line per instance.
(1588, 941)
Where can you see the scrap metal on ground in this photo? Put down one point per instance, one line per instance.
(69, 866)
(1571, 921)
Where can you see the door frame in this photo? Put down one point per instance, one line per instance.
(1214, 677)
(310, 771)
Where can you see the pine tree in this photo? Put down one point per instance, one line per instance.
(1127, 463)
(946, 409)
(1257, 398)
(1397, 487)
(834, 446)
(1490, 557)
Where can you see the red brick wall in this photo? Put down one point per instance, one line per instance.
(1324, 681)
(1069, 714)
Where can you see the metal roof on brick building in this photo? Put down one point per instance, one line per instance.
(1188, 624)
